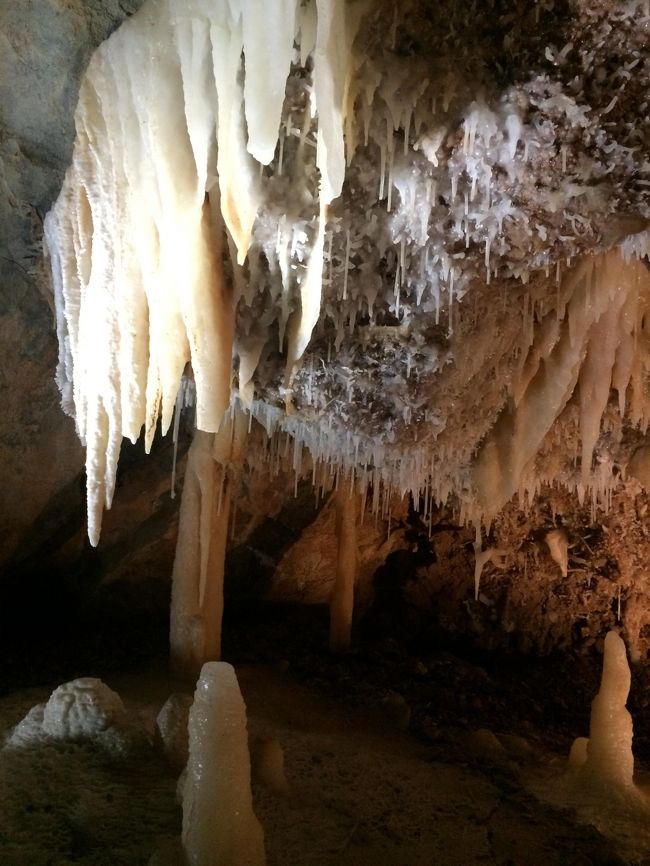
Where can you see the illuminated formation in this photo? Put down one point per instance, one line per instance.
(300, 212)
(135, 237)
(609, 750)
(197, 580)
(219, 825)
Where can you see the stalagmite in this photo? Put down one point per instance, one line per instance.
(267, 758)
(578, 753)
(342, 598)
(219, 825)
(610, 761)
(170, 734)
(598, 783)
(605, 760)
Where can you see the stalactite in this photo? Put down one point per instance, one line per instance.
(483, 557)
(135, 238)
(596, 295)
(558, 546)
(182, 117)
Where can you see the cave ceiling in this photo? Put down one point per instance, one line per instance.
(482, 260)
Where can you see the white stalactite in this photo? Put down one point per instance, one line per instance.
(558, 546)
(595, 297)
(183, 88)
(268, 47)
(176, 112)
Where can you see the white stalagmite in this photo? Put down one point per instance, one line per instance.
(342, 598)
(219, 825)
(599, 780)
(609, 751)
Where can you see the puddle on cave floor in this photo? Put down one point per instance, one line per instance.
(452, 789)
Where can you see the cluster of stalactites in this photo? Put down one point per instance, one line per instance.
(177, 111)
(595, 340)
(168, 139)
(592, 339)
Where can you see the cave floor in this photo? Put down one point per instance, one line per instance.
(367, 785)
(362, 790)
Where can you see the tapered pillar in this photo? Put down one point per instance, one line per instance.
(609, 750)
(342, 598)
(197, 577)
(213, 466)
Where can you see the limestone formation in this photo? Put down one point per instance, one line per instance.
(399, 194)
(558, 546)
(609, 751)
(482, 327)
(219, 826)
(171, 729)
(83, 709)
(342, 599)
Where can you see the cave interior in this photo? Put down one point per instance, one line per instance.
(325, 465)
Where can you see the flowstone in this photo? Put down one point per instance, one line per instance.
(82, 709)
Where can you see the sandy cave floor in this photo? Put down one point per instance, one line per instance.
(363, 791)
